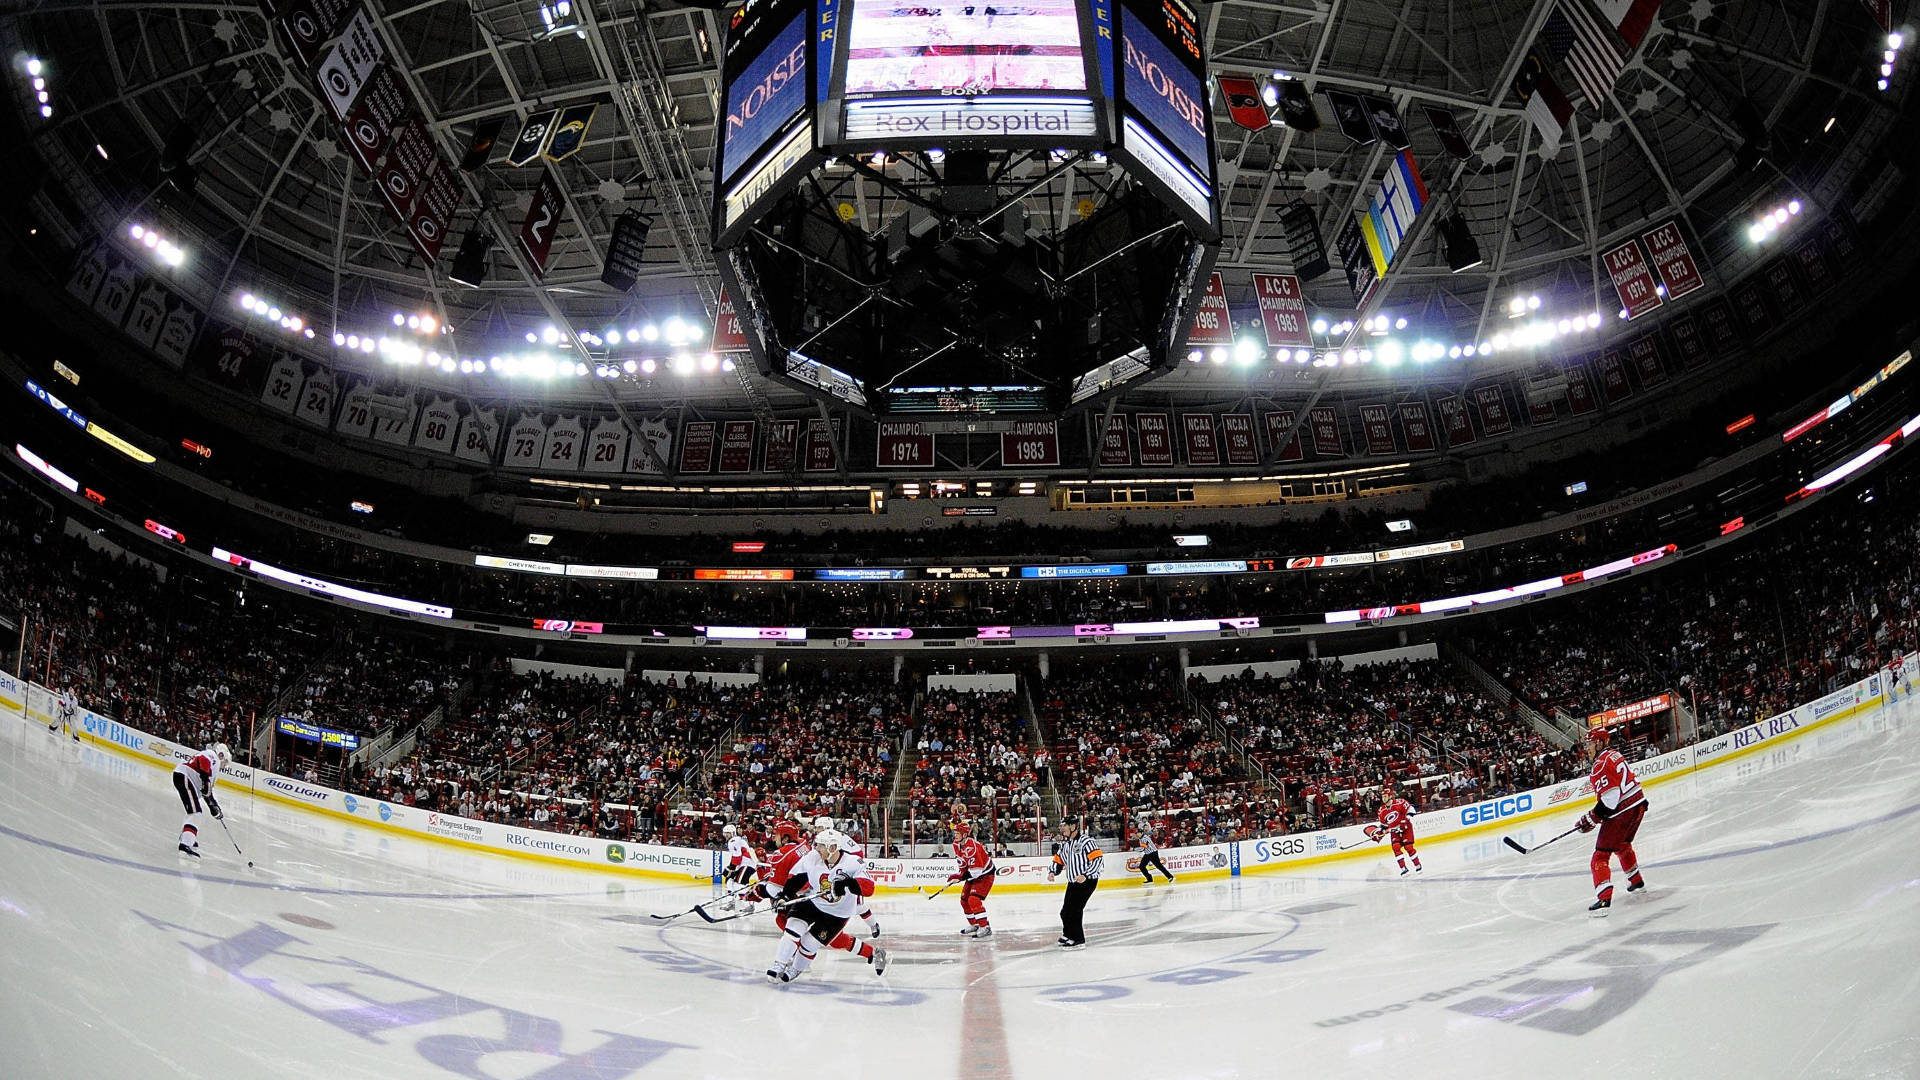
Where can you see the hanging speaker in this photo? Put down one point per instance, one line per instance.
(1463, 251)
(470, 263)
(625, 250)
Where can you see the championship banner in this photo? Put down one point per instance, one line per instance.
(349, 64)
(1304, 245)
(541, 222)
(1030, 443)
(1494, 417)
(902, 445)
(1812, 253)
(1236, 430)
(736, 445)
(728, 335)
(570, 131)
(1716, 318)
(1212, 322)
(1837, 230)
(1416, 427)
(406, 165)
(383, 103)
(1644, 352)
(783, 438)
(1632, 280)
(1613, 377)
(1244, 106)
(1580, 397)
(1540, 410)
(532, 138)
(1326, 432)
(1378, 429)
(1678, 272)
(1278, 425)
(305, 25)
(1786, 289)
(1156, 438)
(1115, 449)
(433, 211)
(1203, 448)
(819, 453)
(1283, 311)
(1751, 303)
(696, 446)
(1453, 419)
(1689, 340)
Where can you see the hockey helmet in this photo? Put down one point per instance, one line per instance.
(834, 839)
(1599, 736)
(728, 830)
(786, 828)
(224, 755)
(823, 822)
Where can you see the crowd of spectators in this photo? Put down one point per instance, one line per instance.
(973, 760)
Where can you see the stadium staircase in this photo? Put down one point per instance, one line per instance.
(1560, 731)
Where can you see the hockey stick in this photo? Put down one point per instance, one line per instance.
(922, 889)
(222, 819)
(701, 904)
(1515, 844)
(777, 905)
(1374, 839)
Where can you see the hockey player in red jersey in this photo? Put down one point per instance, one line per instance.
(1396, 824)
(194, 779)
(976, 870)
(1618, 806)
(779, 882)
(832, 880)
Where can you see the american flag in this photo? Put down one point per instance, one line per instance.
(1574, 33)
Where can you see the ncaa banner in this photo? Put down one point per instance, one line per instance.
(1632, 280)
(1644, 351)
(736, 445)
(1689, 341)
(1416, 427)
(1212, 322)
(1244, 106)
(541, 222)
(1326, 432)
(1203, 448)
(1678, 272)
(1378, 428)
(1494, 417)
(1156, 438)
(1580, 397)
(1236, 430)
(532, 139)
(1453, 419)
(899, 445)
(1755, 308)
(570, 131)
(1030, 443)
(696, 446)
(1283, 311)
(1115, 448)
(1279, 425)
(1812, 253)
(1613, 377)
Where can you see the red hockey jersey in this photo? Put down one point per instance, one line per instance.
(973, 858)
(1615, 788)
(1397, 816)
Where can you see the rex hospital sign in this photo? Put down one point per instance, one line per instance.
(1626, 714)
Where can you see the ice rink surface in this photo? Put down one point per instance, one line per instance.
(1780, 937)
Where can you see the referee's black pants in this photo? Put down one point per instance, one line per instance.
(1152, 859)
(1075, 905)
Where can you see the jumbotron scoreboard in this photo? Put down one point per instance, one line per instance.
(880, 187)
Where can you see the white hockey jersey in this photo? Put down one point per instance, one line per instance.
(849, 867)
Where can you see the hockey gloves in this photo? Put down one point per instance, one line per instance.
(213, 808)
(1587, 823)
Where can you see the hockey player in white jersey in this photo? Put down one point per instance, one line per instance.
(194, 779)
(743, 866)
(822, 823)
(833, 880)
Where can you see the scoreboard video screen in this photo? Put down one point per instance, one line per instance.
(1166, 122)
(964, 46)
(765, 73)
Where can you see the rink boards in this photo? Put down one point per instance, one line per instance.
(35, 703)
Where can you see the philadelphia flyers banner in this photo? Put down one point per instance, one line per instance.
(1244, 106)
(542, 220)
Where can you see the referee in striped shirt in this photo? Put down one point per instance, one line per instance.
(1079, 858)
